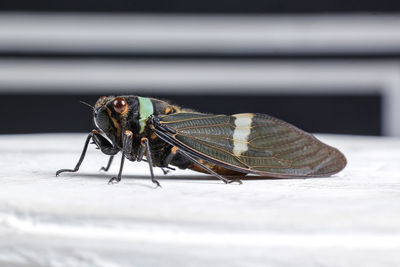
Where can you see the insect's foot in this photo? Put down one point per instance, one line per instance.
(235, 181)
(165, 171)
(114, 180)
(103, 169)
(156, 182)
(64, 170)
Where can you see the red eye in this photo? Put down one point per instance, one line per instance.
(120, 105)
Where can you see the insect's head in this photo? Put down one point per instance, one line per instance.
(110, 114)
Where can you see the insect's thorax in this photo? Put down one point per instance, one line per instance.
(136, 120)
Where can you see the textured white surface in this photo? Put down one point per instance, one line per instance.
(351, 219)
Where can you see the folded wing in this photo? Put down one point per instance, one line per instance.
(253, 143)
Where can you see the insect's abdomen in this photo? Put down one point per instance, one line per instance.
(218, 169)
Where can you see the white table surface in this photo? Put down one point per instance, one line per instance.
(350, 219)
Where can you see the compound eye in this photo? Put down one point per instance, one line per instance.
(120, 105)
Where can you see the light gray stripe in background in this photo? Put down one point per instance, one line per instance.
(199, 33)
(32, 75)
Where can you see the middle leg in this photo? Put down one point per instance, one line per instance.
(110, 160)
(127, 140)
(145, 149)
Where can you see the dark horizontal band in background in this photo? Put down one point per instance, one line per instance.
(339, 114)
(205, 6)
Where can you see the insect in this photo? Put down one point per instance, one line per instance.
(228, 147)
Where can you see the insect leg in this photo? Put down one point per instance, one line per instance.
(110, 160)
(82, 156)
(141, 152)
(126, 150)
(170, 156)
(117, 179)
(145, 146)
(167, 171)
(167, 161)
(103, 144)
(140, 155)
(164, 171)
(227, 181)
(106, 147)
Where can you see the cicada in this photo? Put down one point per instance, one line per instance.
(225, 146)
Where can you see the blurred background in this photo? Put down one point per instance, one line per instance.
(327, 67)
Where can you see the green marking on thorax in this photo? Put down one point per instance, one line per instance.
(145, 111)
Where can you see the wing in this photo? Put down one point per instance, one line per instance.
(250, 143)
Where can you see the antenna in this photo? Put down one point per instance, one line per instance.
(87, 104)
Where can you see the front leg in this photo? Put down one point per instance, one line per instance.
(105, 146)
(127, 140)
